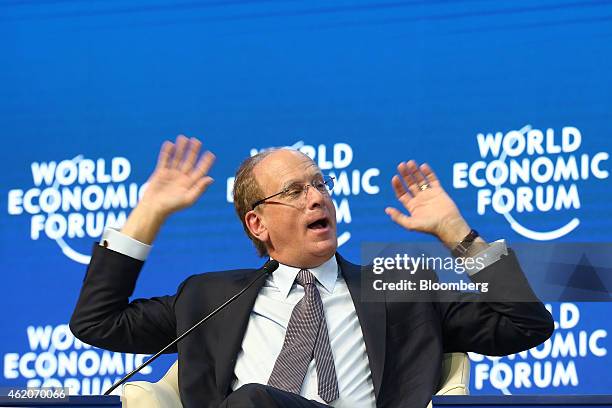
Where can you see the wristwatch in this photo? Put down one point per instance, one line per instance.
(461, 249)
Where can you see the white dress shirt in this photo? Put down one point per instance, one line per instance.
(270, 316)
(269, 319)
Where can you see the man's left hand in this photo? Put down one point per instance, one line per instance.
(431, 209)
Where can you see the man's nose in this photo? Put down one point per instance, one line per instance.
(314, 198)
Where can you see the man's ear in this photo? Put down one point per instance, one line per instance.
(256, 226)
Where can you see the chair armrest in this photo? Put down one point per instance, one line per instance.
(161, 394)
(455, 375)
(143, 394)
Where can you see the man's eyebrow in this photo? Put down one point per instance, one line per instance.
(294, 182)
(290, 183)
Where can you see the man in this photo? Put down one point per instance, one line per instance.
(303, 336)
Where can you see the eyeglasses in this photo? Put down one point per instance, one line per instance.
(292, 193)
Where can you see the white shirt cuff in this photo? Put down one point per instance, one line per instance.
(118, 242)
(489, 256)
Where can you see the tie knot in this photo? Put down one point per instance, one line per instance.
(304, 277)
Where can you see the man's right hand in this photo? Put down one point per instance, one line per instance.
(179, 179)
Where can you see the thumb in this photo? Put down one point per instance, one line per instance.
(400, 218)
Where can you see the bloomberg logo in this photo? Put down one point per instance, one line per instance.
(531, 170)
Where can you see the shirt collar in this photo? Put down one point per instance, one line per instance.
(326, 274)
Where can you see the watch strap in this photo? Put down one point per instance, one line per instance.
(465, 244)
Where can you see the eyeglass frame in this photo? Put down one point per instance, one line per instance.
(327, 181)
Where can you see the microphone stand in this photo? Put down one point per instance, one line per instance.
(268, 268)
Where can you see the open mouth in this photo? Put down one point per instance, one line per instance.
(319, 224)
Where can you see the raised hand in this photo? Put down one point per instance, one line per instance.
(179, 179)
(430, 208)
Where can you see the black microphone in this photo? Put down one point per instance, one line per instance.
(268, 268)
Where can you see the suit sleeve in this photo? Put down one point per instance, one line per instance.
(104, 317)
(509, 318)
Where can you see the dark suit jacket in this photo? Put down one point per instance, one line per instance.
(404, 340)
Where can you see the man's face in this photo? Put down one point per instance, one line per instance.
(298, 231)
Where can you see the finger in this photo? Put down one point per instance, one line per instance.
(199, 188)
(405, 171)
(416, 174)
(402, 195)
(203, 166)
(193, 149)
(432, 179)
(179, 151)
(165, 154)
(400, 218)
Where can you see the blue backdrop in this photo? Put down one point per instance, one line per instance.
(91, 89)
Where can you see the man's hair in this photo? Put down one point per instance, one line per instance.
(247, 191)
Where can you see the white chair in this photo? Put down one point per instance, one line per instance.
(455, 378)
(455, 375)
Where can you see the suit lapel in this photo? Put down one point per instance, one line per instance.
(236, 318)
(372, 318)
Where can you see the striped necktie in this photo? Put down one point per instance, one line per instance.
(306, 338)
